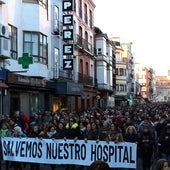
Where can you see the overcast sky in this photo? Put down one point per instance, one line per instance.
(146, 23)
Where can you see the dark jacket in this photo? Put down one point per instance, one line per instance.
(164, 141)
(72, 131)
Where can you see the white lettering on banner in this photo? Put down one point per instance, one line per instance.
(49, 151)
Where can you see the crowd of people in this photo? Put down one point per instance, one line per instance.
(148, 125)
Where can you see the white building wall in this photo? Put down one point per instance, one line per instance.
(27, 17)
(102, 72)
(101, 43)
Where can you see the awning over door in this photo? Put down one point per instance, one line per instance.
(3, 85)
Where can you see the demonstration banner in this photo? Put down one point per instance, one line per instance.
(51, 151)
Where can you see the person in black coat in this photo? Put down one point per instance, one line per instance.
(131, 134)
(146, 145)
(164, 141)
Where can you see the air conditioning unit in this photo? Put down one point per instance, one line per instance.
(4, 32)
(4, 47)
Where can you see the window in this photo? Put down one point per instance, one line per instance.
(80, 8)
(13, 41)
(34, 101)
(116, 71)
(117, 87)
(56, 20)
(81, 66)
(56, 54)
(122, 88)
(43, 49)
(85, 14)
(43, 3)
(99, 51)
(121, 73)
(91, 19)
(36, 45)
(87, 69)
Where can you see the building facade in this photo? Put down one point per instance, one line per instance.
(105, 67)
(25, 37)
(47, 55)
(145, 77)
(125, 72)
(162, 89)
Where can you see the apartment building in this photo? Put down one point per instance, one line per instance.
(128, 58)
(79, 80)
(47, 55)
(145, 77)
(125, 73)
(162, 89)
(105, 66)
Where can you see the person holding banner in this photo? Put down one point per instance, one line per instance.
(93, 132)
(72, 131)
(113, 131)
(4, 132)
(17, 132)
(131, 135)
(104, 131)
(34, 133)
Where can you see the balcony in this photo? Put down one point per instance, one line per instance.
(65, 74)
(105, 87)
(85, 79)
(83, 44)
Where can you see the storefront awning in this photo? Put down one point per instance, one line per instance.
(69, 88)
(3, 85)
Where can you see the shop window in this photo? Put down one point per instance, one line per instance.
(34, 102)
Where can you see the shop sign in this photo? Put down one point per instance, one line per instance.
(68, 34)
(67, 64)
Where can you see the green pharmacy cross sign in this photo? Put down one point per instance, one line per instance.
(25, 60)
